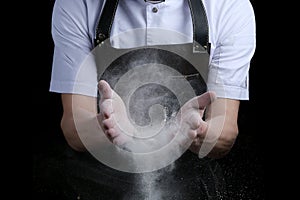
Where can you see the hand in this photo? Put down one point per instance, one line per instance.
(191, 114)
(219, 131)
(113, 116)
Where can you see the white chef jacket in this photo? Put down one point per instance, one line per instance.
(232, 34)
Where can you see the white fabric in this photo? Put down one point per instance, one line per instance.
(231, 34)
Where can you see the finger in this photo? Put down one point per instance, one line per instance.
(203, 100)
(108, 123)
(106, 108)
(192, 134)
(119, 141)
(105, 90)
(112, 133)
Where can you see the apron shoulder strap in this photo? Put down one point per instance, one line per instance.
(105, 21)
(200, 24)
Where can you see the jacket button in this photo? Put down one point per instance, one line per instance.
(154, 10)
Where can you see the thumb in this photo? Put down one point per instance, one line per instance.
(105, 90)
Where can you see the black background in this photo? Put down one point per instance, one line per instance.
(244, 166)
